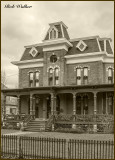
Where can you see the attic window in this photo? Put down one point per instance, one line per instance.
(53, 33)
(33, 52)
(81, 46)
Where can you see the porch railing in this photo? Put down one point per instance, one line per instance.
(85, 123)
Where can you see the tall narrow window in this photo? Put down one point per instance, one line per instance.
(110, 75)
(56, 76)
(37, 79)
(85, 75)
(52, 34)
(50, 76)
(31, 79)
(78, 76)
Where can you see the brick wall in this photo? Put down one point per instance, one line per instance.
(60, 62)
(95, 73)
(24, 76)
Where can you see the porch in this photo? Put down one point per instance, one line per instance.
(76, 102)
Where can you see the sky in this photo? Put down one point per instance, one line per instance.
(25, 26)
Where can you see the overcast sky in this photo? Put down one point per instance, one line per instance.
(24, 26)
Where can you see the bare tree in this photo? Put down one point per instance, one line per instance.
(3, 77)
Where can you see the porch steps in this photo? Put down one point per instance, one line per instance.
(36, 125)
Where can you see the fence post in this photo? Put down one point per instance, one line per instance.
(20, 149)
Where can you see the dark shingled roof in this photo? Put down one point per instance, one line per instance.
(101, 42)
(92, 46)
(108, 48)
(28, 56)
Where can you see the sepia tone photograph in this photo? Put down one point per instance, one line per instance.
(57, 80)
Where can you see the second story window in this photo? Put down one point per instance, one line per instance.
(78, 76)
(85, 75)
(56, 76)
(37, 79)
(31, 79)
(50, 77)
(110, 75)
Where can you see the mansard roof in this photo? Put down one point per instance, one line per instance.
(27, 56)
(91, 44)
(61, 28)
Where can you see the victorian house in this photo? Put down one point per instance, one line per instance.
(63, 75)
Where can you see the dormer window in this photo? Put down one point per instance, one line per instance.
(33, 52)
(81, 46)
(53, 33)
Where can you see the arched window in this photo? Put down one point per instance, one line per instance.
(85, 104)
(53, 34)
(78, 76)
(85, 75)
(110, 75)
(37, 78)
(31, 79)
(56, 76)
(50, 77)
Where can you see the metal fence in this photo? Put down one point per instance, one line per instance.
(53, 148)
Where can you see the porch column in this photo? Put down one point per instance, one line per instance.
(82, 110)
(74, 110)
(95, 112)
(74, 103)
(53, 103)
(107, 100)
(34, 106)
(18, 104)
(31, 104)
(4, 106)
(95, 103)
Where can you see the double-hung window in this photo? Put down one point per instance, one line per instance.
(85, 75)
(50, 77)
(56, 76)
(78, 76)
(110, 75)
(37, 79)
(31, 79)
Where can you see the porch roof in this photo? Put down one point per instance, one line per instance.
(58, 88)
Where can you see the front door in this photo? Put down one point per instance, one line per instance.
(36, 112)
